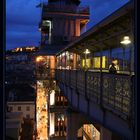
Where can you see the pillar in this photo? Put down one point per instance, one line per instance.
(52, 124)
(105, 134)
(77, 28)
(74, 61)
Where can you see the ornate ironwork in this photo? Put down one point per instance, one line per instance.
(73, 79)
(93, 86)
(116, 89)
(81, 82)
(117, 93)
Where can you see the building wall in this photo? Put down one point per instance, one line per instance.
(28, 108)
(13, 133)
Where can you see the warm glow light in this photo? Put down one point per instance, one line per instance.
(21, 49)
(52, 123)
(39, 83)
(63, 54)
(88, 63)
(62, 117)
(87, 51)
(97, 62)
(30, 48)
(67, 53)
(39, 58)
(42, 114)
(52, 97)
(126, 40)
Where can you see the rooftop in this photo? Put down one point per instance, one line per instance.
(50, 50)
(20, 92)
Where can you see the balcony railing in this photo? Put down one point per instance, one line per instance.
(66, 9)
(113, 92)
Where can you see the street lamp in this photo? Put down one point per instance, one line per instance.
(86, 52)
(126, 41)
(39, 58)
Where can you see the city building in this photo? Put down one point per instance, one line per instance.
(14, 123)
(20, 85)
(25, 49)
(20, 67)
(27, 108)
(19, 128)
(21, 98)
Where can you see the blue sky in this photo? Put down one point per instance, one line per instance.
(22, 18)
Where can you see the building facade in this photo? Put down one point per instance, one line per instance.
(27, 108)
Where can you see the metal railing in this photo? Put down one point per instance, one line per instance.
(66, 9)
(113, 92)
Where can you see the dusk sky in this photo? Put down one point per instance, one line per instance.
(22, 18)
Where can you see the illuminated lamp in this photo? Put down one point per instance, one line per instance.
(126, 40)
(87, 51)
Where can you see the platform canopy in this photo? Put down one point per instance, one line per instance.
(107, 34)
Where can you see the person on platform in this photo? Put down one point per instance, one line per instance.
(112, 69)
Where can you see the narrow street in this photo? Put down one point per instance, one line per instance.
(42, 115)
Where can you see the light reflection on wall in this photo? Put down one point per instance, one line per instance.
(91, 131)
(97, 62)
(52, 97)
(88, 63)
(52, 124)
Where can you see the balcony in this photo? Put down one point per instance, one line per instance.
(66, 9)
(113, 92)
(103, 97)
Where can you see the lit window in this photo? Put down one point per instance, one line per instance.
(61, 98)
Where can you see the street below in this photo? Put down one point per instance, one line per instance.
(42, 114)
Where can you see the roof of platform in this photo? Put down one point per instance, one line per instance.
(107, 33)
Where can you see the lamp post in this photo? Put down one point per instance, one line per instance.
(126, 41)
(86, 52)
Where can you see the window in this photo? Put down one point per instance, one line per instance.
(28, 116)
(19, 108)
(10, 108)
(61, 98)
(28, 108)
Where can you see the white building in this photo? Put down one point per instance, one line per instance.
(26, 107)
